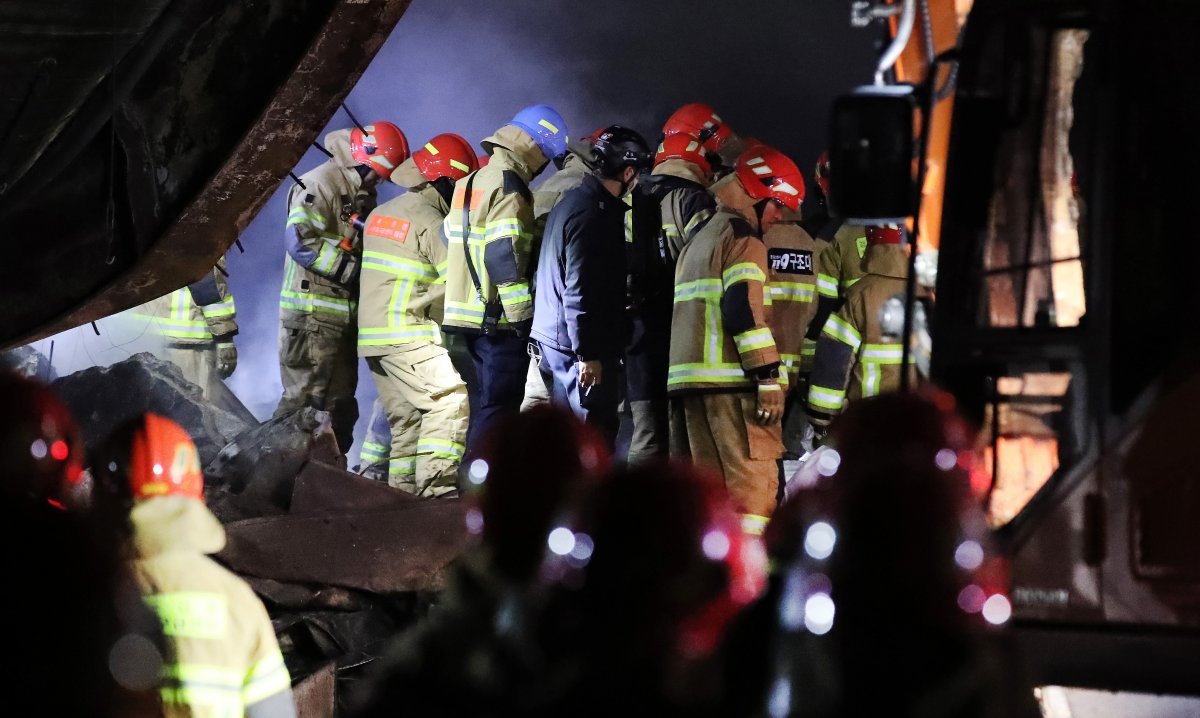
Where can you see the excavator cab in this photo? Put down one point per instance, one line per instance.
(1058, 188)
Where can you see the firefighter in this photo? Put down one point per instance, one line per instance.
(488, 295)
(319, 299)
(841, 259)
(701, 121)
(226, 661)
(854, 359)
(198, 323)
(580, 321)
(670, 205)
(724, 379)
(402, 288)
(576, 164)
(472, 656)
(41, 451)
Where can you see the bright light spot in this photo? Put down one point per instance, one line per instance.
(112, 466)
(59, 450)
(475, 521)
(561, 541)
(715, 545)
(971, 599)
(791, 609)
(38, 449)
(946, 459)
(583, 547)
(135, 662)
(781, 697)
(969, 555)
(818, 613)
(819, 541)
(997, 609)
(829, 462)
(157, 469)
(478, 472)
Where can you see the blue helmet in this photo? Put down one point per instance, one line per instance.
(547, 128)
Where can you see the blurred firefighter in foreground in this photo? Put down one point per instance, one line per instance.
(319, 301)
(198, 323)
(475, 654)
(645, 580)
(854, 357)
(402, 288)
(490, 232)
(580, 321)
(671, 204)
(724, 379)
(226, 661)
(873, 608)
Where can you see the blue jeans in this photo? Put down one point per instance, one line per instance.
(597, 406)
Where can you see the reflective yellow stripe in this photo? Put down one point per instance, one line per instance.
(548, 126)
(826, 398)
(403, 466)
(827, 286)
(399, 266)
(753, 340)
(742, 272)
(843, 331)
(304, 215)
(791, 292)
(702, 373)
(459, 166)
(754, 524)
(883, 353)
(223, 308)
(191, 614)
(698, 289)
(441, 447)
(265, 678)
(430, 148)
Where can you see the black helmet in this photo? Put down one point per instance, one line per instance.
(616, 148)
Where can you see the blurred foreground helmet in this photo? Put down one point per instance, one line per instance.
(528, 467)
(767, 173)
(41, 453)
(686, 148)
(659, 550)
(700, 121)
(886, 550)
(382, 147)
(616, 148)
(447, 155)
(547, 128)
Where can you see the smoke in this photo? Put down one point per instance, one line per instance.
(770, 68)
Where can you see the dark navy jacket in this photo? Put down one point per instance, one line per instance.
(579, 307)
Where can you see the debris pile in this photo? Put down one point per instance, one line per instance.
(342, 563)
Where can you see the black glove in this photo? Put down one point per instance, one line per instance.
(522, 328)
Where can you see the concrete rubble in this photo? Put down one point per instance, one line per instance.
(342, 563)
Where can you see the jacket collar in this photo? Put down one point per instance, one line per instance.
(338, 144)
(175, 524)
(513, 149)
(681, 169)
(888, 260)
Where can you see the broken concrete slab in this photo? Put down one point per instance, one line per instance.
(260, 465)
(28, 362)
(324, 489)
(103, 398)
(388, 551)
(315, 695)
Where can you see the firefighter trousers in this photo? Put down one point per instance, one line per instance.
(646, 362)
(319, 368)
(427, 409)
(718, 432)
(376, 447)
(198, 363)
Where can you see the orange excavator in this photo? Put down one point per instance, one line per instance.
(1055, 152)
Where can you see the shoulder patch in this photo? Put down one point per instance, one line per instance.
(392, 228)
(790, 261)
(741, 228)
(861, 245)
(513, 184)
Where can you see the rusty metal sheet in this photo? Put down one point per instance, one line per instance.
(315, 694)
(388, 551)
(325, 489)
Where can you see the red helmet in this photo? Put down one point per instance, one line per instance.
(700, 121)
(382, 147)
(885, 234)
(821, 173)
(162, 460)
(767, 173)
(683, 147)
(41, 454)
(446, 155)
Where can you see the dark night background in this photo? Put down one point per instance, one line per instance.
(770, 68)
